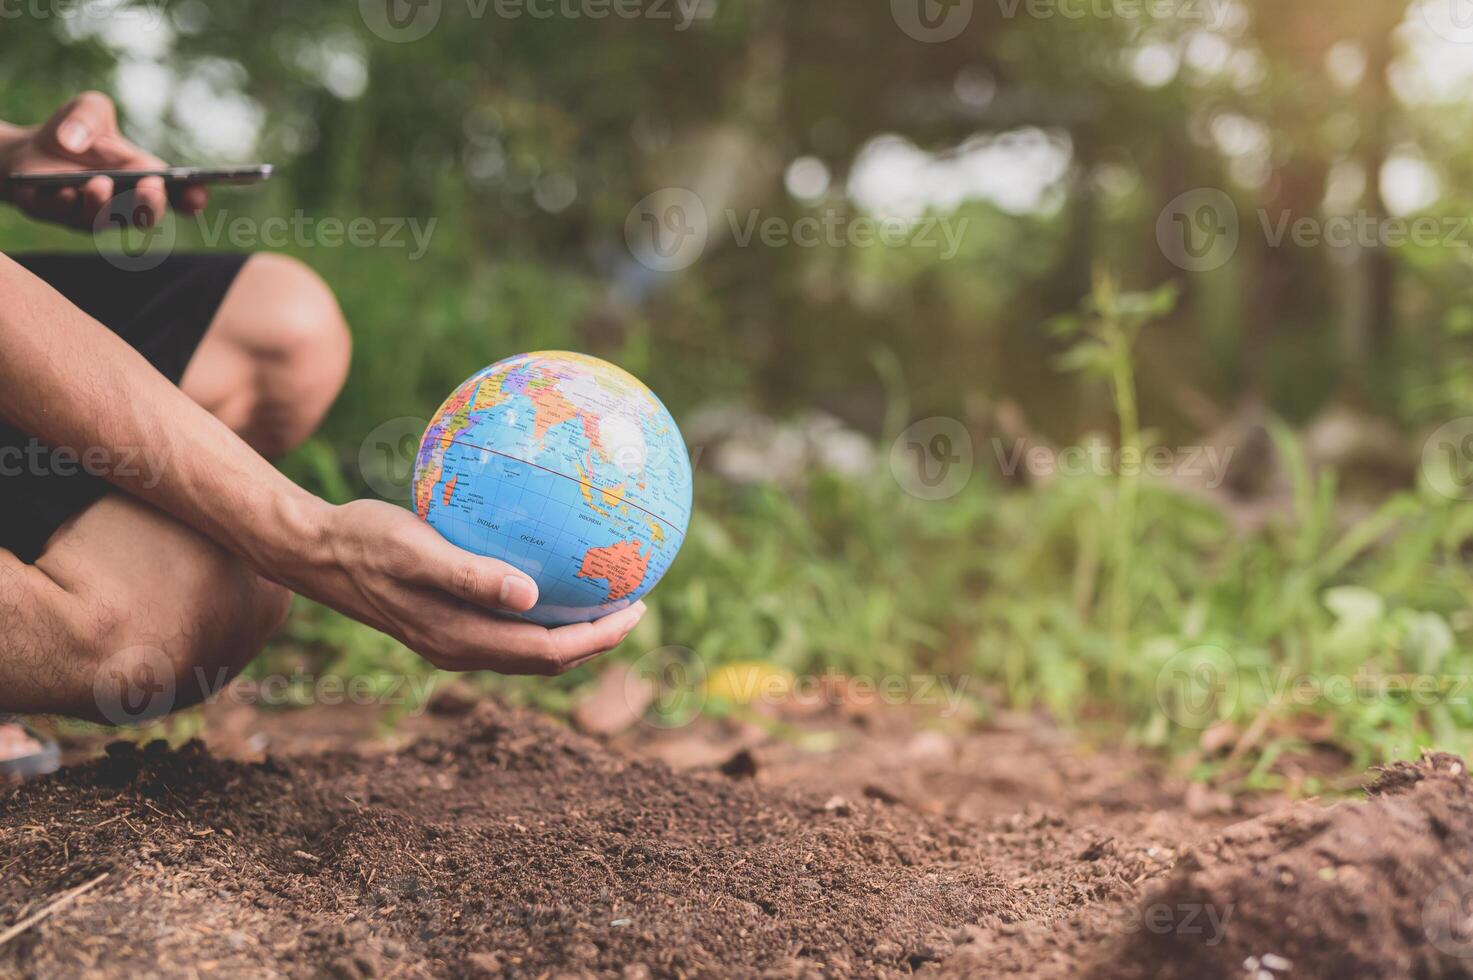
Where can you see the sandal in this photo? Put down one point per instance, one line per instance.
(25, 752)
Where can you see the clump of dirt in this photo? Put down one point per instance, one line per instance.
(508, 846)
(1376, 888)
(1379, 888)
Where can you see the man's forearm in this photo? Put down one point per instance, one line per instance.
(70, 382)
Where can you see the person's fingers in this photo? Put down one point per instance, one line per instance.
(74, 129)
(579, 661)
(486, 582)
(561, 649)
(116, 152)
(432, 561)
(59, 204)
(96, 194)
(191, 198)
(29, 199)
(486, 643)
(149, 201)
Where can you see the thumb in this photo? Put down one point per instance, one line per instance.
(75, 127)
(481, 581)
(488, 583)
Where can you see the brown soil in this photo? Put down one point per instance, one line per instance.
(501, 844)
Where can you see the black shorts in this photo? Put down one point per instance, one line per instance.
(163, 314)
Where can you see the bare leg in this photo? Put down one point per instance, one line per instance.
(125, 597)
(128, 610)
(275, 356)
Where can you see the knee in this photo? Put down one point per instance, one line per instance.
(297, 316)
(301, 340)
(142, 671)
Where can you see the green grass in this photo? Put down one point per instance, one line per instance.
(1110, 600)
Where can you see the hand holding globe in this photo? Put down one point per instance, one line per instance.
(566, 467)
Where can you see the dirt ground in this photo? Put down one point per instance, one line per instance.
(490, 842)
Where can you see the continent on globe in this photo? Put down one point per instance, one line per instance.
(566, 467)
(621, 565)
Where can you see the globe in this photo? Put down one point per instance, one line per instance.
(565, 467)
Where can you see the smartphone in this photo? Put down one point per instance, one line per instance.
(173, 176)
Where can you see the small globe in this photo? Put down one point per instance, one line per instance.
(565, 467)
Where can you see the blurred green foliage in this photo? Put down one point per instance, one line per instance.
(1075, 593)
